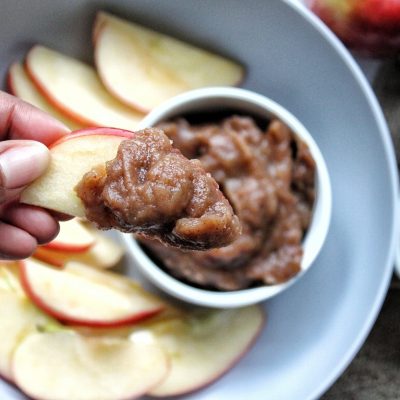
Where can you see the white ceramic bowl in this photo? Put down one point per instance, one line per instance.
(219, 98)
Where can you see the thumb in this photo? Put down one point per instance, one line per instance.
(21, 162)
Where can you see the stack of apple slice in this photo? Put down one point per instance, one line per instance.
(158, 66)
(47, 360)
(83, 296)
(109, 357)
(20, 85)
(135, 70)
(79, 241)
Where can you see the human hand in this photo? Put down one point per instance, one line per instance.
(24, 132)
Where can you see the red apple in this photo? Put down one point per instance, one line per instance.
(81, 295)
(71, 157)
(370, 27)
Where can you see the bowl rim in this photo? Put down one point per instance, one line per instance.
(322, 209)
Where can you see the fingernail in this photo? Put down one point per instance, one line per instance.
(22, 164)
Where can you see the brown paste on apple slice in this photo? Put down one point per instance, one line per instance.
(152, 189)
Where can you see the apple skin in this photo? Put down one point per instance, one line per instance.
(22, 89)
(42, 255)
(204, 378)
(42, 90)
(102, 21)
(60, 246)
(76, 117)
(104, 254)
(100, 131)
(369, 27)
(73, 237)
(99, 27)
(68, 319)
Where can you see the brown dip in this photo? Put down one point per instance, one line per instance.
(152, 189)
(268, 177)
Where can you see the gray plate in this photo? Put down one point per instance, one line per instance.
(315, 328)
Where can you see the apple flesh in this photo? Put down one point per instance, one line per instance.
(9, 277)
(71, 157)
(73, 237)
(18, 317)
(75, 89)
(143, 67)
(20, 85)
(105, 253)
(64, 365)
(370, 27)
(81, 295)
(204, 345)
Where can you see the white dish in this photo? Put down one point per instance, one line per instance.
(315, 327)
(247, 102)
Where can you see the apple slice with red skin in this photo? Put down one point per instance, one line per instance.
(64, 365)
(204, 345)
(105, 253)
(20, 85)
(71, 157)
(143, 68)
(74, 88)
(54, 258)
(81, 295)
(73, 237)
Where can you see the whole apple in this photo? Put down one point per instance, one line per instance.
(369, 27)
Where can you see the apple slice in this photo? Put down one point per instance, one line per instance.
(73, 237)
(55, 258)
(204, 345)
(64, 365)
(9, 277)
(105, 253)
(81, 295)
(71, 157)
(75, 89)
(18, 317)
(20, 85)
(143, 67)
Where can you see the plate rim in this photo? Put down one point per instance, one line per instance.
(383, 132)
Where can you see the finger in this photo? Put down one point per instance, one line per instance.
(34, 220)
(15, 243)
(20, 120)
(21, 162)
(8, 195)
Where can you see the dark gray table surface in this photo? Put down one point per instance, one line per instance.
(375, 372)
